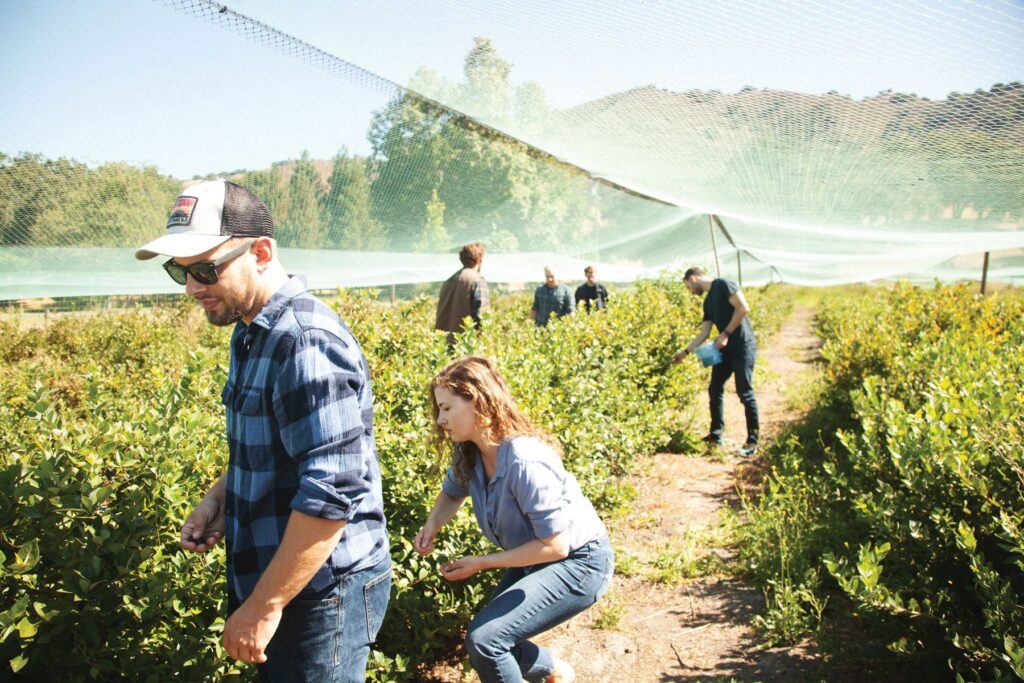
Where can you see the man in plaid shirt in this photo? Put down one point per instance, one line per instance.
(551, 298)
(300, 506)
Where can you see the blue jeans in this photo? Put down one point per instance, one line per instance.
(531, 600)
(327, 637)
(740, 362)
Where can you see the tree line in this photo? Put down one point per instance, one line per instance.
(435, 179)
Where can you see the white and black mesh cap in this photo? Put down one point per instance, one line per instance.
(206, 215)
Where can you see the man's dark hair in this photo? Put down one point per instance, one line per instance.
(472, 254)
(696, 270)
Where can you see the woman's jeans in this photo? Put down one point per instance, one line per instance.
(531, 600)
(327, 638)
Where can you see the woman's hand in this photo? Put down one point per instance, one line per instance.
(423, 542)
(462, 568)
(445, 508)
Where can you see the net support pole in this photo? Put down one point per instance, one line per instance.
(984, 272)
(714, 244)
(392, 293)
(715, 220)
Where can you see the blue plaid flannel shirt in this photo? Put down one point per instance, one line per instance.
(300, 433)
(552, 300)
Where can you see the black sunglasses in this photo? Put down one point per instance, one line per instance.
(204, 272)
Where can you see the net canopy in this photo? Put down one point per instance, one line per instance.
(815, 143)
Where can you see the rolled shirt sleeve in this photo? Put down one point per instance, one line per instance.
(538, 485)
(481, 299)
(319, 404)
(451, 486)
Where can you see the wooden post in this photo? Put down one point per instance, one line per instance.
(739, 267)
(714, 244)
(392, 293)
(984, 272)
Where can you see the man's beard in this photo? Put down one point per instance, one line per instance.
(229, 317)
(234, 309)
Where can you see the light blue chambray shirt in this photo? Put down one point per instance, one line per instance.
(530, 496)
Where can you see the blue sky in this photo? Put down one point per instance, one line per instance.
(136, 81)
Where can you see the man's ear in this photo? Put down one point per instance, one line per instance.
(264, 250)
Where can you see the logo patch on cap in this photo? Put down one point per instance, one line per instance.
(181, 214)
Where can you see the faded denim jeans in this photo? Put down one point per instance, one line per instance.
(327, 638)
(529, 601)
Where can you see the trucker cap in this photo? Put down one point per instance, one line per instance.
(206, 215)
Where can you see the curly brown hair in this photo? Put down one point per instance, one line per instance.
(476, 379)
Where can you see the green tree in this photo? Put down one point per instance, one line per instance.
(346, 214)
(486, 93)
(62, 202)
(269, 186)
(300, 226)
(409, 150)
(433, 237)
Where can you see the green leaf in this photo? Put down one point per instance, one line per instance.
(18, 663)
(26, 558)
(26, 629)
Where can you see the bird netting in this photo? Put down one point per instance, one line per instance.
(615, 134)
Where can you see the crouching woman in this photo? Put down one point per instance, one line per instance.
(555, 550)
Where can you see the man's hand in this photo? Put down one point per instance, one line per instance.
(678, 358)
(247, 633)
(462, 568)
(423, 542)
(721, 341)
(204, 527)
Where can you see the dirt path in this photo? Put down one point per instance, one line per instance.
(675, 613)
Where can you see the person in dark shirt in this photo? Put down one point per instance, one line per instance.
(726, 308)
(592, 291)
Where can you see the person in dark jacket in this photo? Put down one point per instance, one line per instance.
(464, 294)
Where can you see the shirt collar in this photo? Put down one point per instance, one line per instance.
(271, 311)
(504, 458)
(502, 467)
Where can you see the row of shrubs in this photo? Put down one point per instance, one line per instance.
(111, 430)
(901, 497)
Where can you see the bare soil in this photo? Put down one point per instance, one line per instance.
(655, 625)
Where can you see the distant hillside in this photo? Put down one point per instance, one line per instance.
(286, 168)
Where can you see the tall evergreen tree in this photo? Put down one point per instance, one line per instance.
(433, 237)
(346, 216)
(268, 185)
(301, 224)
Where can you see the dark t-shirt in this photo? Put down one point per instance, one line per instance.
(597, 293)
(719, 311)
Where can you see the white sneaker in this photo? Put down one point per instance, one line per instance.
(748, 449)
(563, 672)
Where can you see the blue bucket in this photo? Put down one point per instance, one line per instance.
(708, 354)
